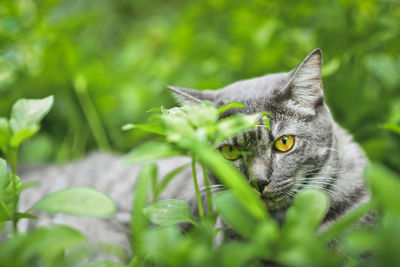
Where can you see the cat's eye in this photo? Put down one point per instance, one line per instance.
(230, 152)
(284, 143)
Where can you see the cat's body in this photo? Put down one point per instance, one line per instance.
(322, 154)
(107, 173)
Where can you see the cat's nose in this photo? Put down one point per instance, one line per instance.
(261, 185)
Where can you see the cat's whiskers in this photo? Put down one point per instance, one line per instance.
(304, 186)
(330, 180)
(329, 172)
(213, 189)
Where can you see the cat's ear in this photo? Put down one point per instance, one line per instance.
(305, 87)
(190, 96)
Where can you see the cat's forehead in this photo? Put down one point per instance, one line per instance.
(255, 90)
(263, 86)
(254, 93)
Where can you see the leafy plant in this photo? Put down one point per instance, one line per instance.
(45, 245)
(193, 131)
(158, 240)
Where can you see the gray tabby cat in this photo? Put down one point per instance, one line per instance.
(305, 148)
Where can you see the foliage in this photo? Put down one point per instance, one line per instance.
(296, 243)
(45, 245)
(192, 130)
(108, 61)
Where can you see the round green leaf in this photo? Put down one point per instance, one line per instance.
(78, 201)
(307, 210)
(25, 117)
(150, 151)
(29, 111)
(170, 211)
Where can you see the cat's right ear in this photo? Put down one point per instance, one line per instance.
(305, 89)
(189, 96)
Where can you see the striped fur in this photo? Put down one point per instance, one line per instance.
(324, 156)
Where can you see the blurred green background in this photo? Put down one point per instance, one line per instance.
(108, 61)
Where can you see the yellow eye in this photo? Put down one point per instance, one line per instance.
(230, 152)
(284, 143)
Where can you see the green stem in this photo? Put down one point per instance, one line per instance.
(228, 175)
(196, 188)
(91, 115)
(12, 159)
(208, 189)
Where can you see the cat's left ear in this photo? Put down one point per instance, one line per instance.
(305, 87)
(190, 96)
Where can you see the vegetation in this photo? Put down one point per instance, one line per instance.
(192, 131)
(106, 62)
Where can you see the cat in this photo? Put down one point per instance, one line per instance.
(304, 148)
(317, 152)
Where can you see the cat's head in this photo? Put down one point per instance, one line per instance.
(299, 142)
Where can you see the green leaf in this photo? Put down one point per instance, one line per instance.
(24, 215)
(385, 187)
(361, 241)
(78, 201)
(3, 177)
(230, 106)
(30, 184)
(176, 128)
(392, 127)
(168, 178)
(23, 134)
(151, 151)
(168, 212)
(154, 127)
(12, 189)
(345, 222)
(307, 211)
(5, 134)
(201, 115)
(298, 244)
(234, 213)
(25, 117)
(140, 197)
(265, 120)
(235, 124)
(237, 254)
(158, 110)
(43, 243)
(5, 214)
(5, 198)
(166, 245)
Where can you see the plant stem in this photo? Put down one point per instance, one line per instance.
(208, 189)
(12, 159)
(196, 188)
(228, 175)
(91, 114)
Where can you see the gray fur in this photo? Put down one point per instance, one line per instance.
(107, 173)
(324, 156)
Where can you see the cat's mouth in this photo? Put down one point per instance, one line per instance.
(276, 200)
